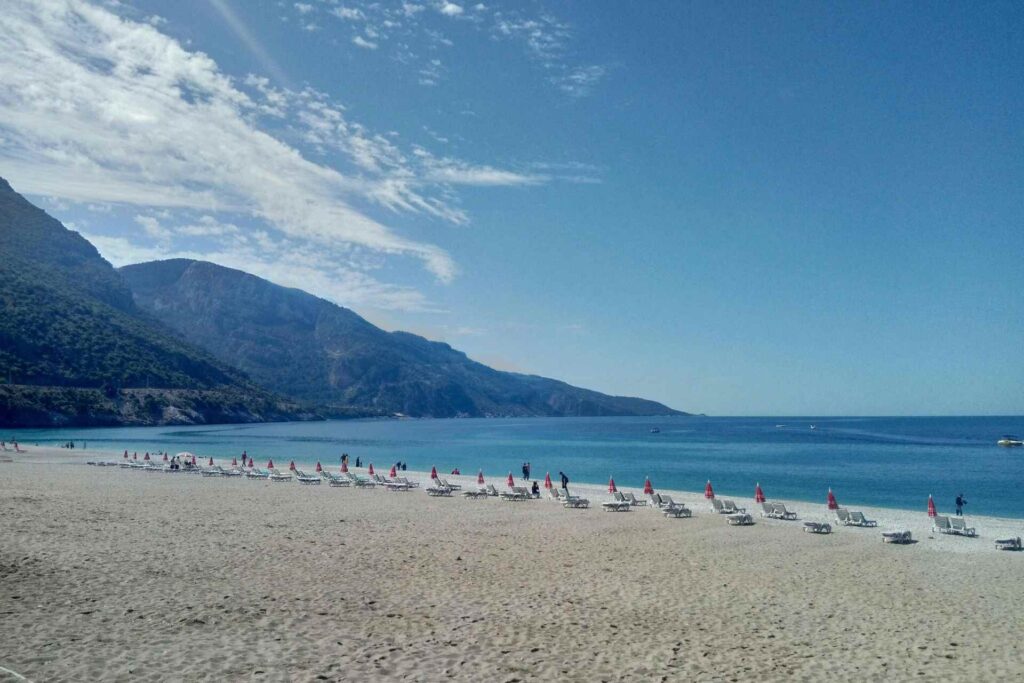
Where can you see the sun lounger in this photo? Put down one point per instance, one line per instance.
(553, 492)
(231, 472)
(480, 492)
(634, 501)
(740, 519)
(571, 501)
(279, 476)
(858, 519)
(360, 482)
(1009, 544)
(899, 537)
(211, 471)
(335, 479)
(437, 491)
(717, 506)
(491, 491)
(306, 478)
(453, 487)
(782, 513)
(940, 523)
(516, 493)
(960, 528)
(674, 509)
(415, 484)
(729, 508)
(843, 516)
(817, 527)
(617, 504)
(257, 473)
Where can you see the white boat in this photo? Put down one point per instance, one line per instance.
(1009, 441)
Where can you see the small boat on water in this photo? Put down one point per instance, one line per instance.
(655, 430)
(1009, 441)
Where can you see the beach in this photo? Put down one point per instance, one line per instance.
(114, 574)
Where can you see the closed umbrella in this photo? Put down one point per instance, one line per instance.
(547, 480)
(318, 467)
(648, 489)
(758, 494)
(369, 469)
(292, 466)
(394, 472)
(344, 466)
(146, 456)
(480, 478)
(611, 485)
(833, 504)
(211, 461)
(270, 464)
(709, 492)
(931, 506)
(165, 457)
(511, 482)
(234, 462)
(433, 472)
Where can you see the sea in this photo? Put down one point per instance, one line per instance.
(894, 462)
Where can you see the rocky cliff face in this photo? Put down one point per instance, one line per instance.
(316, 351)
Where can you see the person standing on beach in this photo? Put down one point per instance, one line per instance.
(960, 502)
(565, 480)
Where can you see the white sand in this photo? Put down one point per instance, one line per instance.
(113, 574)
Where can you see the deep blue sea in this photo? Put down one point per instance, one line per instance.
(885, 462)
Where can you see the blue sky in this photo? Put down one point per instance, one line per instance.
(786, 208)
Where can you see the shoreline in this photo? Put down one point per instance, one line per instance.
(989, 528)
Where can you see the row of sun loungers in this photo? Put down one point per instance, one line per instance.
(952, 525)
(776, 511)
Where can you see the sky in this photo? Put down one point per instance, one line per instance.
(792, 208)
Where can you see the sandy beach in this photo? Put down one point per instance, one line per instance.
(113, 574)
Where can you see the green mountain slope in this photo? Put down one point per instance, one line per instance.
(316, 351)
(73, 343)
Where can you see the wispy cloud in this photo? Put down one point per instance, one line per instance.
(364, 43)
(99, 109)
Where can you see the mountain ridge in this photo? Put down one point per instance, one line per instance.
(313, 350)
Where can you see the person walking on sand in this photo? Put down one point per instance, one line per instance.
(565, 480)
(960, 502)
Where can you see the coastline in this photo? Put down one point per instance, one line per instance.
(110, 573)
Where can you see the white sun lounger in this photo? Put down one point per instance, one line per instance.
(279, 476)
(453, 487)
(480, 492)
(306, 478)
(257, 473)
(740, 519)
(670, 508)
(1009, 544)
(858, 519)
(960, 528)
(898, 537)
(617, 504)
(571, 501)
(729, 508)
(634, 501)
(516, 493)
(336, 479)
(491, 491)
(438, 491)
(940, 523)
(360, 482)
(717, 506)
(211, 471)
(817, 527)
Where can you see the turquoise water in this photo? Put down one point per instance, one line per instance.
(886, 462)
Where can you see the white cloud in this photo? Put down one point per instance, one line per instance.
(102, 109)
(348, 13)
(449, 9)
(364, 43)
(303, 8)
(579, 81)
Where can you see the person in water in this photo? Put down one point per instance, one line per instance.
(960, 502)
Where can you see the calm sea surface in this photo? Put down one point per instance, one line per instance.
(886, 462)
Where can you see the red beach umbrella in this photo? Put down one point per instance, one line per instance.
(146, 457)
(234, 462)
(370, 469)
(648, 489)
(318, 467)
(480, 478)
(758, 494)
(135, 455)
(511, 482)
(165, 457)
(709, 492)
(211, 461)
(931, 506)
(393, 472)
(344, 466)
(193, 461)
(250, 463)
(126, 455)
(433, 472)
(611, 485)
(833, 504)
(547, 480)
(292, 466)
(270, 464)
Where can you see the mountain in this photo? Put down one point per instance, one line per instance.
(323, 354)
(75, 348)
